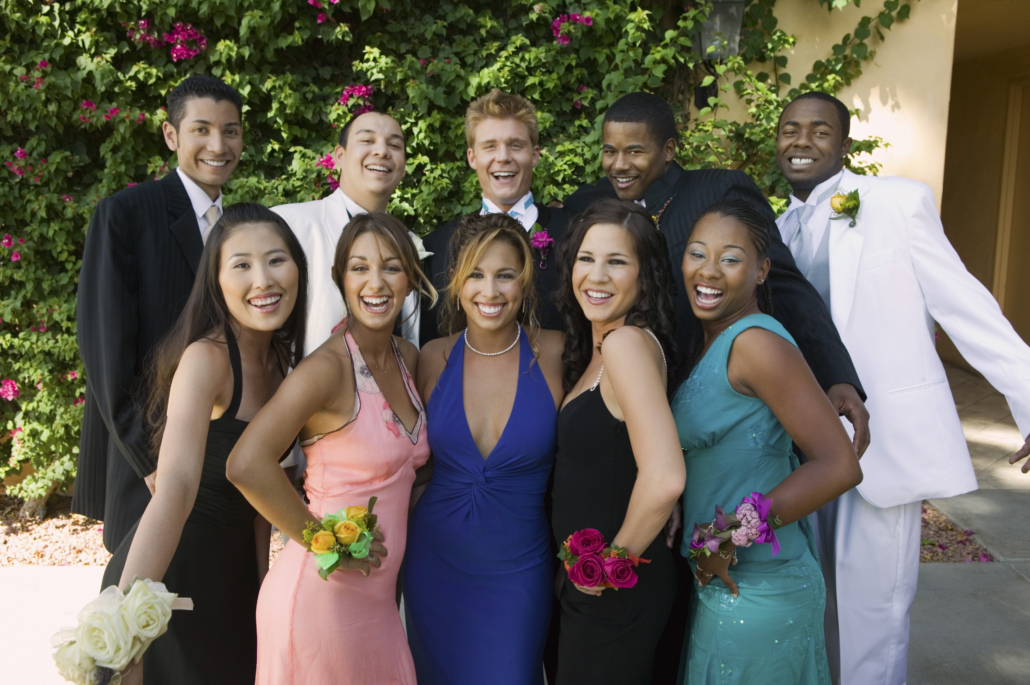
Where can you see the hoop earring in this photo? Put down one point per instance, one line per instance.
(523, 305)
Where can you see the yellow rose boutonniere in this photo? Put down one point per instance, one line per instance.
(845, 205)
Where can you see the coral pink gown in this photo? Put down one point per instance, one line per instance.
(347, 629)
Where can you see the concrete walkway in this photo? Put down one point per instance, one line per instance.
(970, 622)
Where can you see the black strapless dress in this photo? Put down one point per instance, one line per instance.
(215, 565)
(609, 639)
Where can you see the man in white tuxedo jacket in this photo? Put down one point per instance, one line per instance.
(887, 273)
(370, 160)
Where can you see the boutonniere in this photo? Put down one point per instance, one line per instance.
(541, 241)
(845, 205)
(422, 252)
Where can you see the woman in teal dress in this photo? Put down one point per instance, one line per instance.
(748, 394)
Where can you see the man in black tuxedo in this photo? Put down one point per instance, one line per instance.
(142, 251)
(502, 134)
(639, 143)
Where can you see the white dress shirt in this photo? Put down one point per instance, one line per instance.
(820, 218)
(200, 200)
(524, 211)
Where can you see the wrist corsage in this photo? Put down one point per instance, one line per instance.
(750, 523)
(591, 563)
(347, 533)
(114, 630)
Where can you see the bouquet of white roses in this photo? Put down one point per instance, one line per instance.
(114, 630)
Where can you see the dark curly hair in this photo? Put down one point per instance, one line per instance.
(468, 242)
(653, 308)
(747, 215)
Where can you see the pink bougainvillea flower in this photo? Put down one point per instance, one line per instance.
(130, 184)
(141, 117)
(78, 401)
(36, 179)
(89, 104)
(326, 162)
(72, 375)
(39, 386)
(67, 198)
(43, 64)
(19, 172)
(24, 77)
(9, 391)
(315, 3)
(577, 104)
(21, 240)
(43, 161)
(320, 18)
(20, 153)
(83, 117)
(355, 91)
(333, 183)
(16, 256)
(7, 241)
(581, 88)
(143, 23)
(985, 557)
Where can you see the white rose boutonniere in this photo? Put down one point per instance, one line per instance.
(422, 252)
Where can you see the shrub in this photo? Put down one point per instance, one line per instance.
(85, 81)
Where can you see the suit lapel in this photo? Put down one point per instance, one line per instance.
(846, 251)
(182, 221)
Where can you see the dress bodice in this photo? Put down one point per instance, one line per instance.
(374, 447)
(733, 444)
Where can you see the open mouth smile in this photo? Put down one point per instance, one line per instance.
(801, 161)
(376, 304)
(489, 311)
(215, 162)
(707, 297)
(597, 296)
(266, 304)
(379, 168)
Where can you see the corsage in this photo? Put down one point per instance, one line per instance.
(347, 533)
(749, 524)
(591, 563)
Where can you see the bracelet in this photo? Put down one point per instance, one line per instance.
(748, 524)
(592, 563)
(346, 534)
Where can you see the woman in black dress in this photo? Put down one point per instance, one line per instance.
(242, 328)
(619, 468)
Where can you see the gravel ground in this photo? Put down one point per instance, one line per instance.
(67, 539)
(943, 541)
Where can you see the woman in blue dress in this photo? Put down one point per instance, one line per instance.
(748, 394)
(478, 575)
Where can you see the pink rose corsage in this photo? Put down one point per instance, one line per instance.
(750, 523)
(541, 240)
(591, 563)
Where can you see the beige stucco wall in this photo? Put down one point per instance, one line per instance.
(903, 92)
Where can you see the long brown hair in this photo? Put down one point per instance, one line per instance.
(392, 231)
(206, 315)
(468, 243)
(653, 308)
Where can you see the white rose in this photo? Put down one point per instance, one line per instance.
(105, 636)
(73, 664)
(146, 613)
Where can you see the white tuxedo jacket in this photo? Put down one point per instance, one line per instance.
(318, 226)
(891, 276)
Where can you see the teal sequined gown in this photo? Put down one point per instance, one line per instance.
(772, 633)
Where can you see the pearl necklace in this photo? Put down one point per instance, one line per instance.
(518, 335)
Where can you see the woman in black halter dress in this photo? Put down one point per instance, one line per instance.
(199, 535)
(618, 468)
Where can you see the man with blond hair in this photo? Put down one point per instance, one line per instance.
(502, 133)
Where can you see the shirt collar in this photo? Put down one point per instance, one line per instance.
(820, 193)
(198, 198)
(659, 192)
(353, 208)
(523, 210)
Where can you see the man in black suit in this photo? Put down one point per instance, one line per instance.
(502, 134)
(639, 143)
(142, 251)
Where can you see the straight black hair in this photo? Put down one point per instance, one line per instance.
(200, 86)
(842, 110)
(646, 108)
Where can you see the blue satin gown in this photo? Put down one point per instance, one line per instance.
(478, 574)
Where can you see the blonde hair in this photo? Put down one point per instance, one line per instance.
(391, 231)
(500, 105)
(467, 246)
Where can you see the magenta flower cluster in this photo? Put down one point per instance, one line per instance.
(357, 91)
(7, 242)
(140, 32)
(327, 162)
(9, 389)
(562, 19)
(110, 114)
(178, 37)
(19, 167)
(39, 81)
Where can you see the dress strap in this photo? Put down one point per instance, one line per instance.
(665, 362)
(237, 375)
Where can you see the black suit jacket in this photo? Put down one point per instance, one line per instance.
(142, 251)
(436, 266)
(796, 304)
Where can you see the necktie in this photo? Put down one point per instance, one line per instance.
(212, 218)
(801, 242)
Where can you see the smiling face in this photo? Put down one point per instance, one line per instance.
(503, 157)
(258, 278)
(632, 158)
(208, 142)
(606, 274)
(372, 164)
(722, 269)
(375, 282)
(492, 294)
(810, 145)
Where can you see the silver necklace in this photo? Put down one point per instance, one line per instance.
(518, 334)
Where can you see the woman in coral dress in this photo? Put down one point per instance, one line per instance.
(363, 428)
